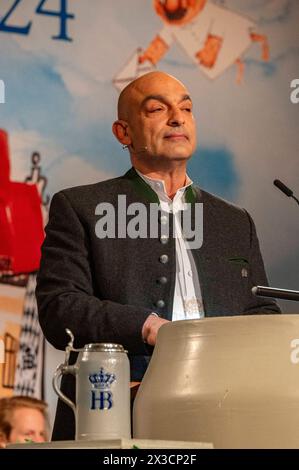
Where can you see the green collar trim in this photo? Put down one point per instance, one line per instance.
(141, 187)
(149, 194)
(190, 195)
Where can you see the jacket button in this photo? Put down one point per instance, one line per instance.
(164, 239)
(160, 303)
(164, 219)
(163, 259)
(162, 280)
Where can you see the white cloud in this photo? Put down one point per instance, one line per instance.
(78, 84)
(61, 169)
(73, 171)
(22, 144)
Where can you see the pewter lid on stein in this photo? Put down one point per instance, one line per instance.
(104, 347)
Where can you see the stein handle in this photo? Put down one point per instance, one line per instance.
(61, 370)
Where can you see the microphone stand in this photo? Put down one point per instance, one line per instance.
(295, 199)
(285, 294)
(283, 188)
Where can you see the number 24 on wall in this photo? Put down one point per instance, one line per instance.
(62, 14)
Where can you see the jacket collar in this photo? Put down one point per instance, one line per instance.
(149, 194)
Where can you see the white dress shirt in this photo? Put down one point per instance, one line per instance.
(187, 301)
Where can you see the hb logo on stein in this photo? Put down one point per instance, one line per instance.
(101, 395)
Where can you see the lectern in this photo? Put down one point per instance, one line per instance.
(230, 381)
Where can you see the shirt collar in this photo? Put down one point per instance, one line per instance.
(159, 187)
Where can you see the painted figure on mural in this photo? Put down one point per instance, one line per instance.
(212, 36)
(22, 232)
(23, 213)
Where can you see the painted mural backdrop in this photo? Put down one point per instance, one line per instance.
(62, 65)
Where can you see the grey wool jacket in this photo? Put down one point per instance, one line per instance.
(103, 289)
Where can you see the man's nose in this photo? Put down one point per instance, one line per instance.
(176, 118)
(171, 5)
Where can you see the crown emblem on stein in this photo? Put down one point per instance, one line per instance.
(102, 380)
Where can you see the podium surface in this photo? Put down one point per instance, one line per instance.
(115, 444)
(232, 381)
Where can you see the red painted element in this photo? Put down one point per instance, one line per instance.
(21, 222)
(4, 158)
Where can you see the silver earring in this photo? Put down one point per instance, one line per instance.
(125, 147)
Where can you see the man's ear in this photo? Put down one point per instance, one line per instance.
(119, 129)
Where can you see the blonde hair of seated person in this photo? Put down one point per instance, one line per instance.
(23, 419)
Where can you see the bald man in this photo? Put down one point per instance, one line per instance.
(109, 278)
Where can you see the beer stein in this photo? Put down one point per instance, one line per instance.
(102, 372)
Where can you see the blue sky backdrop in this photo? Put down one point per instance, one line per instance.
(60, 101)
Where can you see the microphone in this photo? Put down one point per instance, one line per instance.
(138, 151)
(287, 191)
(130, 147)
(265, 291)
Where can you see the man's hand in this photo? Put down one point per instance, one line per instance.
(150, 328)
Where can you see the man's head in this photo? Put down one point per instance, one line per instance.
(155, 121)
(22, 419)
